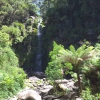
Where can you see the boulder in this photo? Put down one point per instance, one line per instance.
(61, 81)
(49, 97)
(36, 87)
(46, 89)
(28, 95)
(39, 75)
(72, 95)
(33, 79)
(64, 87)
(78, 98)
(14, 98)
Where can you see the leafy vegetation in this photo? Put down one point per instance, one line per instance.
(68, 22)
(55, 64)
(86, 95)
(11, 81)
(11, 76)
(74, 60)
(14, 37)
(77, 58)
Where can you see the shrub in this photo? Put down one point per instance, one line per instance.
(68, 58)
(11, 81)
(14, 33)
(86, 95)
(54, 69)
(4, 39)
(91, 70)
(11, 76)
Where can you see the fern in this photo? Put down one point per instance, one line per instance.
(65, 58)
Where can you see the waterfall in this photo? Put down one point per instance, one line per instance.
(38, 65)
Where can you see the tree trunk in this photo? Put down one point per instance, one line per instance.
(79, 81)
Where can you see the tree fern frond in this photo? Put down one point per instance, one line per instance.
(80, 49)
(72, 49)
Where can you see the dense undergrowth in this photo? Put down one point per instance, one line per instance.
(11, 81)
(84, 60)
(67, 22)
(16, 28)
(11, 76)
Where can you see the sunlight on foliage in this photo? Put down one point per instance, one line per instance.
(86, 95)
(69, 59)
(54, 70)
(14, 33)
(4, 39)
(11, 81)
(11, 76)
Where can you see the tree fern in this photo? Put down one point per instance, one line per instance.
(65, 58)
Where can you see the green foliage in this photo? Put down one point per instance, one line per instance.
(11, 77)
(91, 70)
(76, 57)
(54, 69)
(4, 39)
(14, 33)
(21, 27)
(86, 95)
(12, 10)
(8, 57)
(11, 81)
(71, 21)
(14, 15)
(68, 59)
(61, 58)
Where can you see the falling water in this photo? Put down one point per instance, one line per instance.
(38, 64)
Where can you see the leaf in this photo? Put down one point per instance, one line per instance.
(72, 49)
